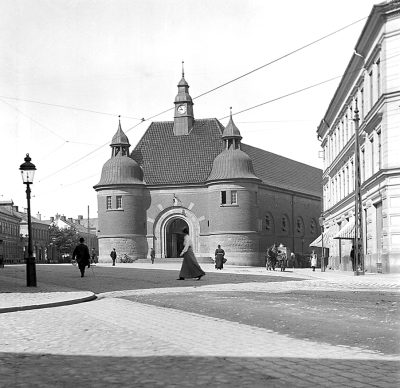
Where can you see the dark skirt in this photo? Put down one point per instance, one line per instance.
(219, 261)
(190, 267)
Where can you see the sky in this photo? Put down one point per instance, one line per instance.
(69, 68)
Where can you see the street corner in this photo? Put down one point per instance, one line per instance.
(14, 302)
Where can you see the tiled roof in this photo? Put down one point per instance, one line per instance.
(24, 218)
(6, 211)
(278, 171)
(169, 159)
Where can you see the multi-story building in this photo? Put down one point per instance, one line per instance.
(40, 236)
(196, 173)
(370, 84)
(11, 248)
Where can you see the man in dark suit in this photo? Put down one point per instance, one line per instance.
(81, 252)
(113, 255)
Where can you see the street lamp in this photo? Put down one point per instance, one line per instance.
(27, 173)
(321, 224)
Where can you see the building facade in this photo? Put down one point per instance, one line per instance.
(11, 247)
(195, 173)
(371, 85)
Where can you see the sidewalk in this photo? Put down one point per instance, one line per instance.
(16, 296)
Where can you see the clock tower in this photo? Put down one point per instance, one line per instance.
(183, 117)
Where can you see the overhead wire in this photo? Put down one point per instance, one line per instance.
(69, 107)
(32, 119)
(216, 88)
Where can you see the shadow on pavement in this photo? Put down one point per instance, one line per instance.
(46, 370)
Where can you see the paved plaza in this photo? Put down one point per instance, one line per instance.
(113, 341)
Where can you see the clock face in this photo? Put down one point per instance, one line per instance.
(181, 109)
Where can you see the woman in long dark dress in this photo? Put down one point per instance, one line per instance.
(219, 257)
(190, 267)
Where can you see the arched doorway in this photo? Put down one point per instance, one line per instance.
(175, 237)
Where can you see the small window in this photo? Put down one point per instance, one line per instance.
(234, 197)
(119, 201)
(108, 202)
(223, 197)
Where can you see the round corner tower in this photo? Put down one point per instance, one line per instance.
(120, 199)
(233, 208)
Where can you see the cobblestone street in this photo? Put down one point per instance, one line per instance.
(117, 341)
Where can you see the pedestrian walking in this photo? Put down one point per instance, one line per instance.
(82, 256)
(313, 258)
(93, 256)
(190, 267)
(219, 258)
(152, 255)
(353, 260)
(113, 255)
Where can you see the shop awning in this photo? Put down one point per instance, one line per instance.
(318, 241)
(347, 232)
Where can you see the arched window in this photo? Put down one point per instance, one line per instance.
(285, 226)
(299, 226)
(313, 227)
(269, 223)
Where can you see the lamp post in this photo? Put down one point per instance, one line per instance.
(321, 224)
(358, 226)
(27, 173)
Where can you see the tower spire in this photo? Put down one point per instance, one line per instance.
(231, 134)
(183, 117)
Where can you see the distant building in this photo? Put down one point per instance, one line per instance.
(40, 236)
(372, 82)
(81, 226)
(195, 173)
(11, 247)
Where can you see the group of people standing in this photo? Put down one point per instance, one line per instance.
(190, 268)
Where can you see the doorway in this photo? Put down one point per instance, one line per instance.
(175, 237)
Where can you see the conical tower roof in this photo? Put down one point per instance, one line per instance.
(120, 169)
(231, 130)
(120, 138)
(232, 162)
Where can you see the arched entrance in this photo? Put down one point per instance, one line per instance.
(174, 236)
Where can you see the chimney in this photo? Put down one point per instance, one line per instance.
(71, 220)
(80, 218)
(26, 210)
(63, 218)
(51, 219)
(39, 216)
(15, 208)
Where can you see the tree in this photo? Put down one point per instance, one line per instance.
(64, 239)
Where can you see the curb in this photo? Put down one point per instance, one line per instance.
(48, 305)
